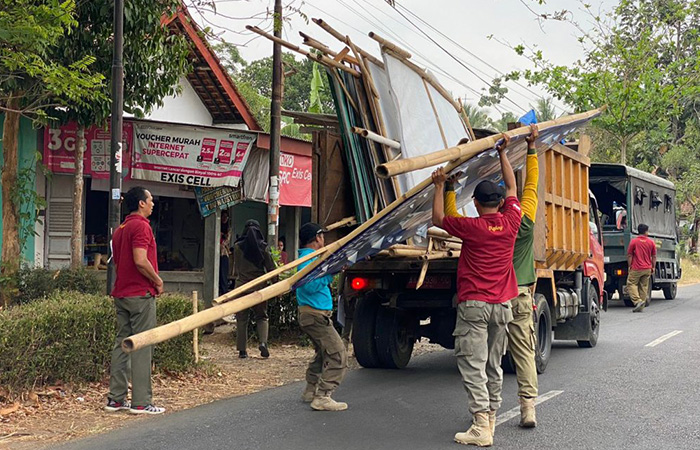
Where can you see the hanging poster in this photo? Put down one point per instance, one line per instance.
(295, 180)
(223, 197)
(60, 144)
(193, 156)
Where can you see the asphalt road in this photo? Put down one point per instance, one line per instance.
(623, 394)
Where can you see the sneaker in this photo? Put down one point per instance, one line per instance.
(148, 409)
(264, 352)
(113, 406)
(243, 354)
(640, 307)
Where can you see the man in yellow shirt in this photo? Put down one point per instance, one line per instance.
(521, 329)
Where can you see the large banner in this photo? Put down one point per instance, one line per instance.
(60, 144)
(190, 155)
(295, 180)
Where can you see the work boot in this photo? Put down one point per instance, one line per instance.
(479, 433)
(492, 422)
(309, 393)
(264, 352)
(528, 418)
(323, 402)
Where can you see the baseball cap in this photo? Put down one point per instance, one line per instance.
(308, 232)
(488, 191)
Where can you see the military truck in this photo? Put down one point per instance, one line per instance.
(391, 314)
(628, 197)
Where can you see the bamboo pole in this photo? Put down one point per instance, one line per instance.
(470, 149)
(339, 36)
(438, 255)
(189, 323)
(347, 222)
(390, 45)
(379, 139)
(467, 122)
(267, 277)
(195, 338)
(435, 111)
(318, 58)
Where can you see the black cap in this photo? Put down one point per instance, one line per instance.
(308, 232)
(488, 191)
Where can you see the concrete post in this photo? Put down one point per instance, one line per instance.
(212, 251)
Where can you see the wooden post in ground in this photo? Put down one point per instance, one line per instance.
(195, 338)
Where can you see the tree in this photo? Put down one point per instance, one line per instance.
(154, 61)
(230, 57)
(640, 61)
(502, 123)
(544, 109)
(478, 117)
(30, 82)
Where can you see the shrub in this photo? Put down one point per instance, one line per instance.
(69, 335)
(34, 283)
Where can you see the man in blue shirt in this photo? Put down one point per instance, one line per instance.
(328, 367)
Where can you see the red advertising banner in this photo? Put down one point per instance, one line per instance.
(295, 180)
(60, 144)
(190, 155)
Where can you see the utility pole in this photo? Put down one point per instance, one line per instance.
(115, 167)
(275, 127)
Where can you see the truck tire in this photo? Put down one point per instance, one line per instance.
(507, 363)
(593, 319)
(363, 333)
(620, 289)
(543, 329)
(396, 333)
(670, 291)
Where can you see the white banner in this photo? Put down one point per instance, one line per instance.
(189, 155)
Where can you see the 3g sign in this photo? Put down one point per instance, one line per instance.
(61, 140)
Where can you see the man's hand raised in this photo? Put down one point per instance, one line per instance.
(532, 138)
(502, 143)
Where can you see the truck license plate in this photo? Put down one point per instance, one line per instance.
(431, 282)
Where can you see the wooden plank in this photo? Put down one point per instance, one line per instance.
(341, 55)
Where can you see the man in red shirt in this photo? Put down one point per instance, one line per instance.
(134, 293)
(641, 260)
(485, 283)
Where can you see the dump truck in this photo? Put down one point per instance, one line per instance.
(391, 314)
(628, 197)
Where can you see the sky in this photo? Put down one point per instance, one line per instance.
(469, 23)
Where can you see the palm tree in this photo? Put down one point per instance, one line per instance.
(544, 108)
(478, 118)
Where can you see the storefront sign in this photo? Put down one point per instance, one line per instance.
(295, 180)
(190, 155)
(223, 197)
(60, 144)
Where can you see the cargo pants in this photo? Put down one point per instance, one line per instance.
(638, 285)
(522, 342)
(480, 342)
(134, 315)
(327, 369)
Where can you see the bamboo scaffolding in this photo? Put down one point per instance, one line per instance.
(390, 45)
(393, 168)
(372, 136)
(267, 277)
(318, 58)
(347, 222)
(344, 39)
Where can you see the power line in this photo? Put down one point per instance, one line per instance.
(470, 53)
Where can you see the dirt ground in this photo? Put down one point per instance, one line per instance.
(55, 414)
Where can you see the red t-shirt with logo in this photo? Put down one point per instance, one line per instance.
(642, 250)
(134, 232)
(485, 270)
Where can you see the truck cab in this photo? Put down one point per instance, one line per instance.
(628, 197)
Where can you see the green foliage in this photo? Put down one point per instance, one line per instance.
(502, 123)
(544, 109)
(66, 337)
(297, 85)
(230, 57)
(641, 61)
(30, 33)
(69, 337)
(38, 283)
(154, 58)
(478, 117)
(317, 87)
(29, 200)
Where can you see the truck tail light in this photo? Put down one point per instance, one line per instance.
(359, 284)
(620, 272)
